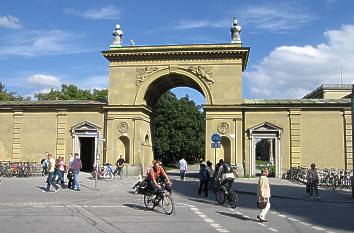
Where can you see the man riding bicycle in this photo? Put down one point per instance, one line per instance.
(225, 177)
(156, 175)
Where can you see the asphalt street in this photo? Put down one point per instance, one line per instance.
(114, 208)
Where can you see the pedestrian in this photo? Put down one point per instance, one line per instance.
(209, 167)
(71, 159)
(204, 177)
(182, 166)
(263, 194)
(119, 165)
(50, 177)
(61, 170)
(76, 166)
(69, 176)
(44, 163)
(312, 180)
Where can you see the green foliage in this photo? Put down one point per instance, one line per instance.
(179, 129)
(9, 96)
(72, 92)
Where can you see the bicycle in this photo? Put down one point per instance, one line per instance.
(106, 172)
(153, 199)
(224, 193)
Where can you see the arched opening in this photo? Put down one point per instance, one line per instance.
(124, 148)
(168, 82)
(175, 138)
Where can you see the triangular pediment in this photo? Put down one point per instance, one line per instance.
(265, 127)
(85, 125)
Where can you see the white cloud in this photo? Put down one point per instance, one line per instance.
(10, 22)
(191, 24)
(94, 82)
(35, 43)
(42, 81)
(293, 71)
(274, 18)
(109, 12)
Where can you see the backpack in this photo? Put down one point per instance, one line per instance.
(227, 168)
(204, 174)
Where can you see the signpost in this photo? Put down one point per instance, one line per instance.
(215, 138)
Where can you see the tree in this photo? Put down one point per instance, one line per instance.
(9, 96)
(178, 129)
(72, 92)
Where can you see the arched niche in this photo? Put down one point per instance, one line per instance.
(123, 146)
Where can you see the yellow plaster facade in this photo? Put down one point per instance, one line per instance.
(299, 131)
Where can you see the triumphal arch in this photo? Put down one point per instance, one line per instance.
(277, 133)
(139, 75)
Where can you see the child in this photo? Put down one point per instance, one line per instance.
(70, 179)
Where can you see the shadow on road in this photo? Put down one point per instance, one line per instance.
(136, 207)
(231, 215)
(289, 200)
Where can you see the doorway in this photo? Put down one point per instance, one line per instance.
(87, 153)
(265, 148)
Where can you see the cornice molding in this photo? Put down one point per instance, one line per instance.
(178, 53)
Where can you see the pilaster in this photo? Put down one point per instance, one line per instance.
(17, 136)
(295, 137)
(62, 122)
(348, 146)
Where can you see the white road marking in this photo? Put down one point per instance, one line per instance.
(222, 230)
(215, 225)
(305, 223)
(272, 229)
(208, 220)
(318, 228)
(293, 219)
(282, 215)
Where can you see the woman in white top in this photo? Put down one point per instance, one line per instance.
(263, 194)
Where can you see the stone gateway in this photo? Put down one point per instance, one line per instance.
(282, 133)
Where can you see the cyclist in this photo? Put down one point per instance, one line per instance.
(225, 177)
(155, 174)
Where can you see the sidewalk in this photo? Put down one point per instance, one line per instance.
(283, 189)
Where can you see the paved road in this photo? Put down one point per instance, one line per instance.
(25, 207)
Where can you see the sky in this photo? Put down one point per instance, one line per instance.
(296, 45)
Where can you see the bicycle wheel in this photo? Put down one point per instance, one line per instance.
(212, 185)
(233, 199)
(167, 204)
(108, 176)
(149, 200)
(220, 196)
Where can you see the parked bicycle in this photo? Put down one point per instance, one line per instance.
(224, 193)
(161, 196)
(328, 177)
(106, 172)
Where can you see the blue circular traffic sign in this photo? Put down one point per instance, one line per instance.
(216, 138)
